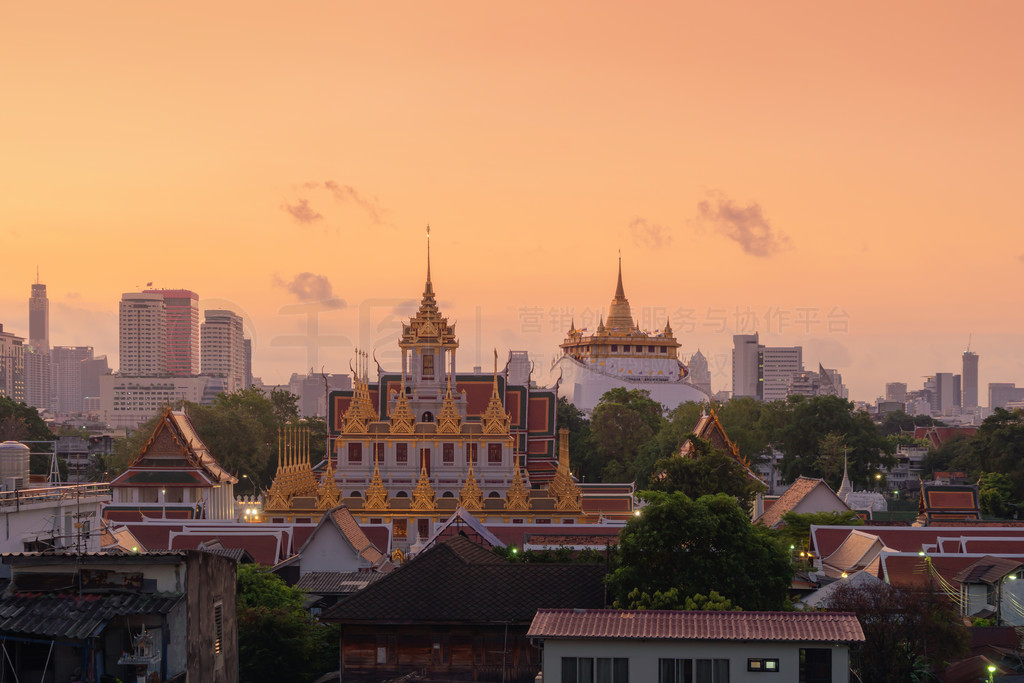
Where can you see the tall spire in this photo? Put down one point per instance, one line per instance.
(430, 286)
(620, 317)
(495, 420)
(619, 292)
(845, 488)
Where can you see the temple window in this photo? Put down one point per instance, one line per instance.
(402, 454)
(471, 448)
(428, 366)
(663, 349)
(615, 348)
(448, 454)
(494, 494)
(378, 451)
(427, 417)
(494, 454)
(650, 349)
(355, 454)
(447, 494)
(398, 528)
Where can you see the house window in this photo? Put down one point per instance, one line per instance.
(428, 366)
(815, 665)
(763, 665)
(448, 454)
(382, 655)
(218, 627)
(591, 670)
(712, 671)
(355, 454)
(494, 454)
(472, 452)
(693, 671)
(675, 671)
(402, 454)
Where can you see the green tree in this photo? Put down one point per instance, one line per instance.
(750, 424)
(573, 419)
(710, 472)
(21, 422)
(699, 546)
(621, 423)
(796, 529)
(998, 446)
(899, 422)
(956, 454)
(995, 493)
(278, 640)
(802, 425)
(667, 441)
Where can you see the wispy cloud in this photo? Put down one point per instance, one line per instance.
(745, 225)
(303, 212)
(310, 287)
(650, 235)
(348, 194)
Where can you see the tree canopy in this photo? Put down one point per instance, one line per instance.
(622, 422)
(710, 472)
(699, 546)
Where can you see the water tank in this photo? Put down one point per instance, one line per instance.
(13, 462)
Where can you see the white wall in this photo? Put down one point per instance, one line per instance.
(644, 655)
(329, 551)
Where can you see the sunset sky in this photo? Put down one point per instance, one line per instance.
(844, 176)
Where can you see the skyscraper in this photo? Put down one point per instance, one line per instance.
(142, 332)
(38, 389)
(896, 391)
(224, 348)
(700, 374)
(182, 330)
(66, 365)
(942, 399)
(12, 365)
(746, 366)
(778, 365)
(970, 380)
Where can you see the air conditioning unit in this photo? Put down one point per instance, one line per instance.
(14, 483)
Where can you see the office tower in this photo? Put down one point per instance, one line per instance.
(970, 380)
(942, 399)
(66, 366)
(958, 396)
(182, 335)
(248, 363)
(38, 389)
(92, 370)
(1001, 393)
(832, 380)
(12, 365)
(142, 328)
(896, 391)
(700, 373)
(224, 348)
(778, 365)
(746, 366)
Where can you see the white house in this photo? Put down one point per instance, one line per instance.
(677, 646)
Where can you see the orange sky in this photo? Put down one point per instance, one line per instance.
(862, 158)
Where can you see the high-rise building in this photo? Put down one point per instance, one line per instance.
(224, 348)
(182, 335)
(896, 391)
(248, 363)
(970, 380)
(746, 366)
(66, 366)
(142, 332)
(942, 399)
(12, 365)
(92, 370)
(700, 373)
(38, 389)
(1001, 393)
(778, 365)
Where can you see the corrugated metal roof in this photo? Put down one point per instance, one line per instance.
(330, 583)
(695, 625)
(74, 617)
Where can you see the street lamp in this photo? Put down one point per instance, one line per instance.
(991, 672)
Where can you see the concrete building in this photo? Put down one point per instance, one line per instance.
(746, 366)
(127, 402)
(1002, 393)
(700, 373)
(57, 518)
(248, 362)
(12, 365)
(92, 370)
(312, 391)
(66, 369)
(223, 348)
(778, 365)
(182, 330)
(38, 392)
(896, 391)
(945, 393)
(142, 335)
(970, 381)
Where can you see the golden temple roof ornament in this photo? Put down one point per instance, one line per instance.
(448, 420)
(517, 498)
(470, 497)
(360, 411)
(402, 419)
(327, 495)
(376, 494)
(294, 475)
(495, 420)
(562, 488)
(620, 317)
(423, 495)
(428, 325)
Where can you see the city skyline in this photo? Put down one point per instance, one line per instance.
(281, 156)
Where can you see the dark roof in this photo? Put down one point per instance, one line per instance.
(990, 570)
(333, 583)
(460, 582)
(696, 625)
(58, 615)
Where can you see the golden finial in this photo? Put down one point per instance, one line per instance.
(470, 497)
(517, 498)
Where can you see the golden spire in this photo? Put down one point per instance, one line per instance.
(448, 420)
(667, 332)
(517, 498)
(328, 496)
(376, 495)
(402, 419)
(360, 411)
(620, 318)
(294, 475)
(423, 496)
(562, 488)
(495, 420)
(470, 497)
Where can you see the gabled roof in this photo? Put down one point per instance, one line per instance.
(940, 435)
(823, 596)
(457, 581)
(174, 434)
(857, 552)
(342, 520)
(989, 569)
(793, 496)
(336, 583)
(804, 627)
(939, 502)
(453, 524)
